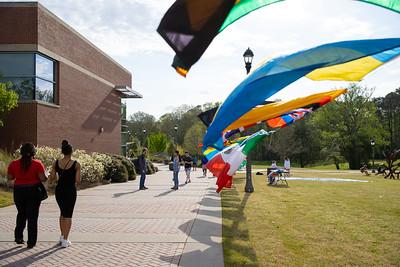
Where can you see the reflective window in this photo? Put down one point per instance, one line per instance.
(44, 68)
(17, 64)
(23, 87)
(44, 90)
(31, 74)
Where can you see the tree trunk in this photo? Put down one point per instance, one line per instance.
(337, 165)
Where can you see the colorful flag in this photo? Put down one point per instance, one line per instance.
(263, 113)
(226, 162)
(189, 26)
(345, 61)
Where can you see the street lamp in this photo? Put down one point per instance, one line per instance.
(144, 137)
(373, 154)
(176, 135)
(248, 59)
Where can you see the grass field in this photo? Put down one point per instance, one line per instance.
(313, 223)
(6, 198)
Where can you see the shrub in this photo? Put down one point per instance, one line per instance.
(119, 173)
(150, 169)
(130, 167)
(47, 155)
(107, 162)
(91, 170)
(135, 163)
(5, 159)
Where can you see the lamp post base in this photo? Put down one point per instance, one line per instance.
(248, 188)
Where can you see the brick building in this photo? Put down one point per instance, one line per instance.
(68, 88)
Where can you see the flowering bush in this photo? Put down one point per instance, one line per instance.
(95, 167)
(107, 162)
(91, 170)
(47, 155)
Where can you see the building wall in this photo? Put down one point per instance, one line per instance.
(86, 105)
(18, 25)
(20, 126)
(85, 102)
(65, 42)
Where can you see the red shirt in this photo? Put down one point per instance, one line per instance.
(30, 176)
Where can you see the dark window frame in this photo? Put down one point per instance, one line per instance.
(35, 76)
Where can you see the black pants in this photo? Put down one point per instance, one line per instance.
(27, 200)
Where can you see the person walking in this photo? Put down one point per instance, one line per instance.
(142, 166)
(176, 161)
(286, 164)
(27, 174)
(203, 165)
(69, 175)
(194, 162)
(187, 159)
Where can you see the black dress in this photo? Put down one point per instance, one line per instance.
(66, 190)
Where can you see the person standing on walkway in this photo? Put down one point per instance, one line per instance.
(27, 174)
(194, 162)
(187, 159)
(176, 165)
(142, 166)
(69, 175)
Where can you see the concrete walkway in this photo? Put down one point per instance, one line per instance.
(118, 225)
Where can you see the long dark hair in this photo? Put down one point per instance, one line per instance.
(28, 151)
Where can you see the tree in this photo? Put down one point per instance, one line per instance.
(193, 137)
(388, 110)
(8, 100)
(157, 142)
(140, 121)
(351, 122)
(184, 117)
(298, 141)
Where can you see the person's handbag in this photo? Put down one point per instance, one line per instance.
(43, 192)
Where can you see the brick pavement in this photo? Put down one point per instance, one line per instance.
(117, 225)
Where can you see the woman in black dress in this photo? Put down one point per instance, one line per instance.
(69, 174)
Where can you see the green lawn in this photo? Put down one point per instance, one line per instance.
(313, 223)
(6, 198)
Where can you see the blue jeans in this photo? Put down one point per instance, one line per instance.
(176, 180)
(142, 178)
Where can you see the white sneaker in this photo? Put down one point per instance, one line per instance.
(61, 239)
(65, 243)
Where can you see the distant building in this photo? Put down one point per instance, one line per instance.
(68, 88)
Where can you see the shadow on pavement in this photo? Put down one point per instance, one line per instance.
(210, 202)
(126, 193)
(31, 258)
(169, 191)
(206, 252)
(11, 252)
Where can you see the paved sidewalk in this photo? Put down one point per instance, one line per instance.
(118, 225)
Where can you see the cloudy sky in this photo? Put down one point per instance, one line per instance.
(126, 30)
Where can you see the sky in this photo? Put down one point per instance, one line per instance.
(126, 30)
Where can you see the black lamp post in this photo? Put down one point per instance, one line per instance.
(373, 154)
(248, 59)
(144, 137)
(176, 135)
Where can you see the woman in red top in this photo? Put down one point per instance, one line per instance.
(27, 173)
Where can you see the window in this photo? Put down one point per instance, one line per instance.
(31, 74)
